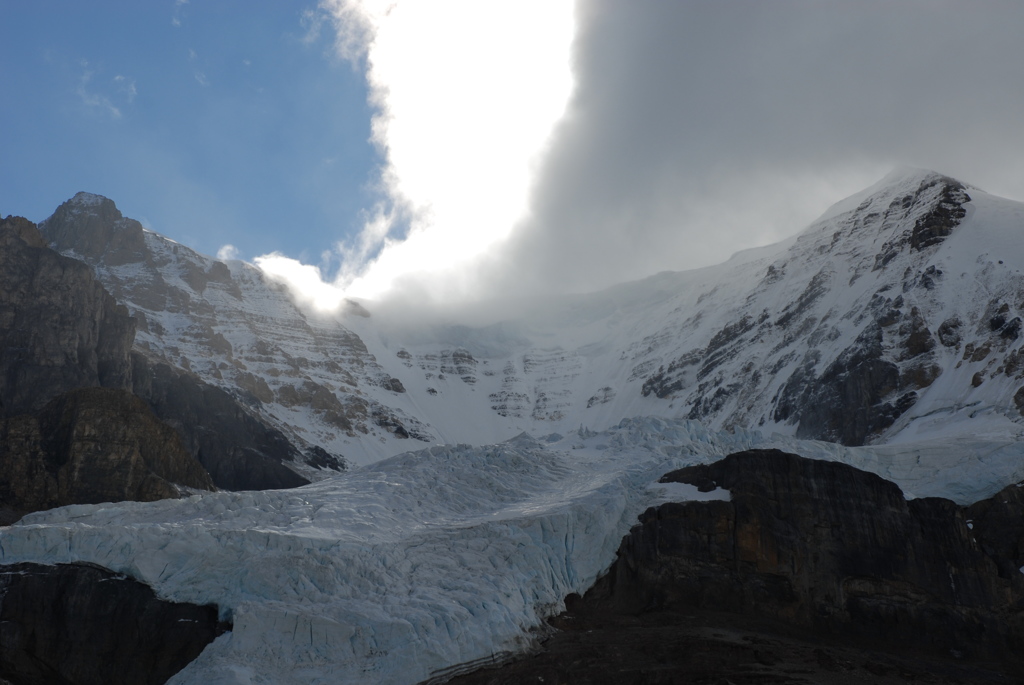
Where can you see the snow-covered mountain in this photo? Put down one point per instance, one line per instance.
(893, 316)
(893, 321)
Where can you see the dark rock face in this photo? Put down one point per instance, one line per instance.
(92, 445)
(239, 451)
(814, 572)
(94, 228)
(70, 430)
(851, 400)
(81, 624)
(59, 329)
(823, 546)
(998, 526)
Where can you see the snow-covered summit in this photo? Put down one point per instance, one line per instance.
(894, 313)
(85, 199)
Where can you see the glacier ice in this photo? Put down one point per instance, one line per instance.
(429, 559)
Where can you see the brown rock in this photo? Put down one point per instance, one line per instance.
(59, 329)
(92, 445)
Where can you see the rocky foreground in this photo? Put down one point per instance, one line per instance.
(814, 572)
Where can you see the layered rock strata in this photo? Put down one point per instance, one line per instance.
(59, 328)
(71, 429)
(92, 445)
(811, 571)
(825, 546)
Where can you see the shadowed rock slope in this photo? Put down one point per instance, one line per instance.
(92, 445)
(807, 558)
(71, 429)
(78, 624)
(59, 328)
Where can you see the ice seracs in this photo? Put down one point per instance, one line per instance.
(447, 555)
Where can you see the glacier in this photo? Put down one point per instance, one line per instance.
(402, 570)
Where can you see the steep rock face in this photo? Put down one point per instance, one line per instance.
(310, 378)
(59, 329)
(998, 526)
(838, 371)
(239, 451)
(824, 546)
(92, 228)
(78, 624)
(92, 445)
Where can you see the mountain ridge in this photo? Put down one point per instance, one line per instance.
(851, 312)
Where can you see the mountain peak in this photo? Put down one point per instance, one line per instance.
(85, 199)
(93, 228)
(899, 182)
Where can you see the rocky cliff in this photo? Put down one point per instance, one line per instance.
(92, 445)
(825, 546)
(71, 429)
(59, 328)
(78, 624)
(235, 329)
(803, 561)
(239, 451)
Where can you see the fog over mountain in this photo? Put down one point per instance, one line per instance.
(704, 319)
(696, 129)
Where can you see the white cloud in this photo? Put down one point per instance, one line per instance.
(197, 72)
(126, 87)
(466, 95)
(305, 281)
(227, 252)
(178, 8)
(693, 130)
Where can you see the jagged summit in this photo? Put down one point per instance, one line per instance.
(92, 228)
(88, 199)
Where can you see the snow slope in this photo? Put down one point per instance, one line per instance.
(906, 297)
(394, 572)
(892, 299)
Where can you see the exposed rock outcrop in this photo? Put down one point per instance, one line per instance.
(239, 451)
(78, 624)
(93, 228)
(824, 546)
(59, 329)
(235, 329)
(92, 445)
(71, 432)
(813, 572)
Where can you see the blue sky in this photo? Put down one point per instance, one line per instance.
(212, 122)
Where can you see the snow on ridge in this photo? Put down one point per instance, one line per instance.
(88, 199)
(429, 559)
(356, 389)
